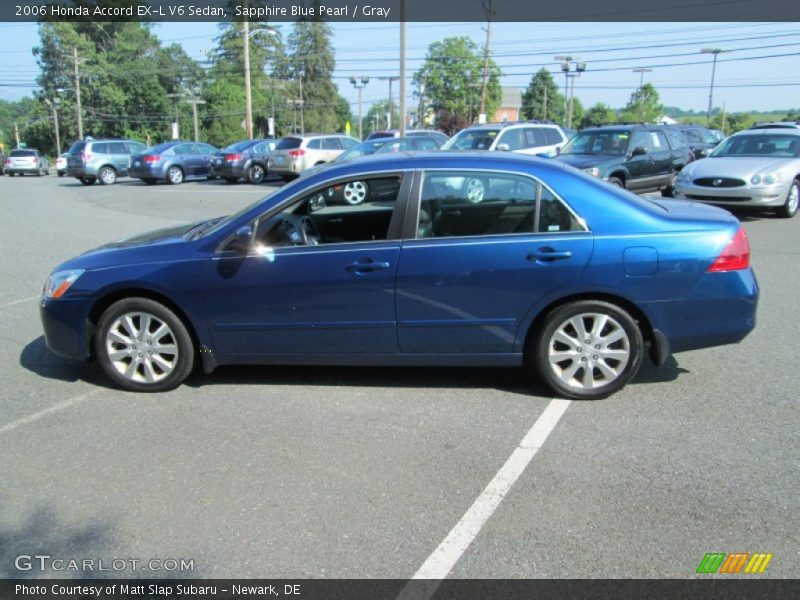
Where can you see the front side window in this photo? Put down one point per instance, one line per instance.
(357, 210)
(460, 204)
(552, 135)
(640, 139)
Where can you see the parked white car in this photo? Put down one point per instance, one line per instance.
(525, 138)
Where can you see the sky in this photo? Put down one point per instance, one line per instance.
(760, 69)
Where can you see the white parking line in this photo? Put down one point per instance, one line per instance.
(48, 411)
(7, 304)
(443, 559)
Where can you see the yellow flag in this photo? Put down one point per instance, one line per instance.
(347, 128)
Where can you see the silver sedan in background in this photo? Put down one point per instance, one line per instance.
(757, 168)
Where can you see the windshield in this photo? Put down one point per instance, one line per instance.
(363, 149)
(472, 139)
(773, 145)
(598, 142)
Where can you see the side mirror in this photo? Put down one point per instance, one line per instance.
(638, 151)
(503, 148)
(242, 240)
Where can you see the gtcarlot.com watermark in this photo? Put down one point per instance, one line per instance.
(46, 562)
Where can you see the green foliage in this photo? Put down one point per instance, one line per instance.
(599, 114)
(450, 80)
(375, 119)
(644, 105)
(541, 86)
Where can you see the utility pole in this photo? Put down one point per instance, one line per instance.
(715, 52)
(16, 134)
(489, 16)
(53, 105)
(194, 102)
(389, 112)
(302, 120)
(77, 91)
(248, 97)
(641, 71)
(402, 68)
(176, 132)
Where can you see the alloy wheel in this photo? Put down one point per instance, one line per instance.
(355, 192)
(175, 175)
(141, 347)
(256, 174)
(475, 190)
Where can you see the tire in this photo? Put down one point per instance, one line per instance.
(789, 208)
(175, 175)
(617, 182)
(288, 178)
(40, 172)
(60, 173)
(474, 190)
(355, 192)
(149, 181)
(256, 174)
(231, 179)
(107, 176)
(560, 358)
(120, 345)
(669, 191)
(87, 180)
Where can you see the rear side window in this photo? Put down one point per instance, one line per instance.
(289, 143)
(159, 149)
(136, 148)
(117, 148)
(461, 204)
(424, 144)
(184, 149)
(658, 141)
(552, 136)
(535, 136)
(315, 145)
(676, 138)
(515, 139)
(332, 143)
(99, 148)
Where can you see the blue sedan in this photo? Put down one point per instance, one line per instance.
(466, 260)
(173, 162)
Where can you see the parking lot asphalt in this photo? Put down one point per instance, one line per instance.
(363, 472)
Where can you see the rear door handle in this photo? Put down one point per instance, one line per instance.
(549, 255)
(366, 267)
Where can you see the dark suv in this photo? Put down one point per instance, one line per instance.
(640, 158)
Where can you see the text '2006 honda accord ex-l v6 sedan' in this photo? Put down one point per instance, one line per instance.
(484, 259)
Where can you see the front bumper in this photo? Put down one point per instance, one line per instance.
(66, 326)
(747, 195)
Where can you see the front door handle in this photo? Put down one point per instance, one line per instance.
(367, 266)
(549, 255)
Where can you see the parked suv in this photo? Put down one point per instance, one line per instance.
(524, 138)
(395, 133)
(700, 140)
(173, 162)
(296, 153)
(93, 160)
(247, 159)
(636, 157)
(28, 160)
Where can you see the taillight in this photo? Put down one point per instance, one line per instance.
(86, 156)
(296, 153)
(232, 157)
(151, 158)
(735, 256)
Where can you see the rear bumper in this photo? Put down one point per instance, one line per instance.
(227, 170)
(80, 172)
(16, 170)
(292, 168)
(147, 173)
(65, 326)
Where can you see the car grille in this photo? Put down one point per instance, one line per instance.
(718, 198)
(719, 182)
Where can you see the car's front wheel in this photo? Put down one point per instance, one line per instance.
(587, 349)
(143, 346)
(616, 181)
(789, 208)
(175, 175)
(669, 191)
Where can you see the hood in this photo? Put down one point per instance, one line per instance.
(738, 167)
(584, 161)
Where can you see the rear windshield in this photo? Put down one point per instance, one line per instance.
(239, 146)
(76, 148)
(158, 149)
(288, 143)
(22, 153)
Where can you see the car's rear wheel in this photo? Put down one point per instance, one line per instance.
(355, 192)
(143, 346)
(175, 175)
(616, 181)
(107, 176)
(60, 173)
(669, 191)
(475, 190)
(789, 208)
(587, 349)
(149, 181)
(87, 180)
(231, 179)
(255, 174)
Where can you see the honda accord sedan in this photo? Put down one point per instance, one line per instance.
(552, 270)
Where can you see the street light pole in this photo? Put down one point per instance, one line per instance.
(359, 83)
(580, 67)
(389, 113)
(715, 52)
(489, 16)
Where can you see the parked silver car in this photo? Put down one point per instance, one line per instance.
(755, 168)
(295, 153)
(26, 161)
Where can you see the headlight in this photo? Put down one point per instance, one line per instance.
(592, 171)
(685, 175)
(59, 282)
(768, 179)
(755, 179)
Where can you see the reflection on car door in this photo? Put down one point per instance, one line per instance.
(331, 299)
(476, 268)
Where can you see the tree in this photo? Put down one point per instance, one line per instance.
(599, 114)
(451, 79)
(644, 105)
(375, 119)
(534, 106)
